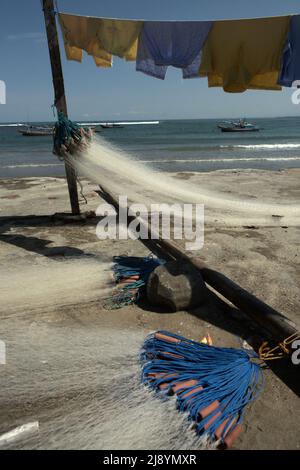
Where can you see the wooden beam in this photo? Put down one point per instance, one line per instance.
(59, 91)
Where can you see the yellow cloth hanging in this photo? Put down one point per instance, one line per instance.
(242, 54)
(100, 37)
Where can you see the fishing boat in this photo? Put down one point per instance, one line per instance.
(36, 131)
(238, 126)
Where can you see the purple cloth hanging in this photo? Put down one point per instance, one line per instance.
(175, 43)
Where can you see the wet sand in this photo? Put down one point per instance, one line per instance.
(265, 260)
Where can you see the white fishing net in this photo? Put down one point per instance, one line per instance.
(81, 382)
(122, 174)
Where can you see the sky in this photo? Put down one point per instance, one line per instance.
(121, 93)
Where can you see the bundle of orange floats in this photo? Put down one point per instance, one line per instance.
(213, 385)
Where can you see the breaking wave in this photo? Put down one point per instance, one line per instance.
(219, 160)
(16, 124)
(262, 146)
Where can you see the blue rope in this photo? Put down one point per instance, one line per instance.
(69, 136)
(126, 266)
(227, 375)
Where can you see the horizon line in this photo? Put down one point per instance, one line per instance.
(154, 119)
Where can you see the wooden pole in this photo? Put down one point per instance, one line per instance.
(59, 91)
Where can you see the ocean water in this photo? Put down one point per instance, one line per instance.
(174, 145)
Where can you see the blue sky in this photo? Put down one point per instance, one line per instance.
(121, 93)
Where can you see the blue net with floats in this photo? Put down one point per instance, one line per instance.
(130, 274)
(69, 137)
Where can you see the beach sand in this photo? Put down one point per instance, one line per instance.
(55, 266)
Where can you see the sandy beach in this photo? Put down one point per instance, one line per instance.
(54, 277)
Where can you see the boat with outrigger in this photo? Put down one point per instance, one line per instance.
(238, 126)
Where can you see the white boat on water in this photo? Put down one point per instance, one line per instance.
(36, 131)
